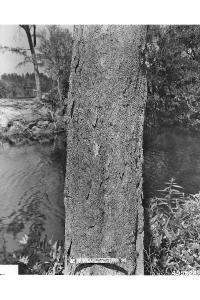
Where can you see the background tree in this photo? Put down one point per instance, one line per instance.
(103, 191)
(55, 52)
(3, 90)
(32, 44)
(173, 74)
(29, 55)
(22, 86)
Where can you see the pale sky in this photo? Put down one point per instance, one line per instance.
(14, 36)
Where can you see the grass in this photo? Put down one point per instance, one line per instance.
(43, 258)
(174, 246)
(37, 256)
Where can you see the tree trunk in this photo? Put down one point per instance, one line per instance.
(103, 190)
(34, 59)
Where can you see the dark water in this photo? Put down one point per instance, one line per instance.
(171, 153)
(32, 181)
(31, 192)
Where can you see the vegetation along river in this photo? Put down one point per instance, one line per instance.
(32, 181)
(171, 153)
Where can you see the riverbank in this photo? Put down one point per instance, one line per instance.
(31, 191)
(172, 241)
(23, 120)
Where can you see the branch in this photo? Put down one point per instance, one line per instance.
(26, 61)
(191, 107)
(15, 50)
(34, 35)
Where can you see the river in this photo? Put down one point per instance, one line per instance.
(32, 181)
(171, 153)
(31, 192)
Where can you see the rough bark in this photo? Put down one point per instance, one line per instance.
(103, 191)
(34, 59)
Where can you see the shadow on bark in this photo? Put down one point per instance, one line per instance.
(108, 266)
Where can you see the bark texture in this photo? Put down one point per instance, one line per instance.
(103, 191)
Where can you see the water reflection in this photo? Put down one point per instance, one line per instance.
(32, 182)
(31, 193)
(171, 153)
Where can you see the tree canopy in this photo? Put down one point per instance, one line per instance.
(173, 73)
(14, 85)
(55, 51)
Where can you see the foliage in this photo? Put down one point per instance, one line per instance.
(14, 85)
(55, 53)
(29, 55)
(3, 89)
(37, 256)
(175, 227)
(51, 100)
(173, 74)
(43, 258)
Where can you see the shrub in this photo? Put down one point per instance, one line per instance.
(175, 233)
(37, 256)
(42, 258)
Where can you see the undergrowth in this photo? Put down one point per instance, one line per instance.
(39, 257)
(174, 246)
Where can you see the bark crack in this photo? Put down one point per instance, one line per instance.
(77, 65)
(72, 109)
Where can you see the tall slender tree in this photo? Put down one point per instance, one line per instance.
(32, 44)
(55, 52)
(103, 190)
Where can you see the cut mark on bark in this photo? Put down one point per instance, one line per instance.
(121, 176)
(127, 86)
(90, 187)
(96, 148)
(77, 65)
(72, 109)
(69, 250)
(91, 226)
(94, 124)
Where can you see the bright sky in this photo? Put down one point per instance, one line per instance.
(14, 36)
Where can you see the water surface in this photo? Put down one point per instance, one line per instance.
(32, 181)
(31, 192)
(171, 153)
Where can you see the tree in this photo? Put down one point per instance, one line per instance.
(55, 52)
(3, 90)
(103, 190)
(32, 43)
(15, 85)
(173, 75)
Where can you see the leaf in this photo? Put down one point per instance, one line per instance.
(154, 219)
(177, 186)
(24, 240)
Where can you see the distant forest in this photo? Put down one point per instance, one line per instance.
(22, 86)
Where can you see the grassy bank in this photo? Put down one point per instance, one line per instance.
(174, 241)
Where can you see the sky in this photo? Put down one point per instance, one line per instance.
(14, 36)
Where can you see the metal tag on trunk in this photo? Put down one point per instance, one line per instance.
(103, 260)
